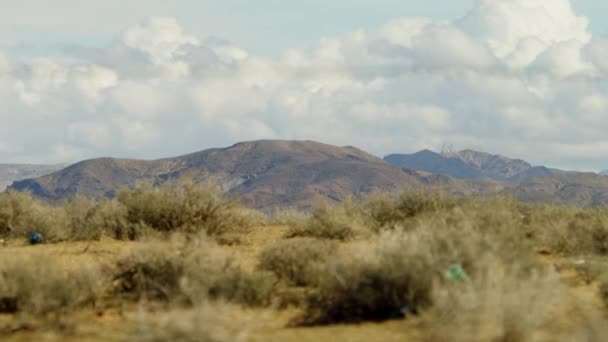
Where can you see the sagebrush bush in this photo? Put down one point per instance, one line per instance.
(135, 213)
(185, 207)
(386, 212)
(297, 260)
(377, 278)
(188, 271)
(342, 222)
(578, 231)
(20, 214)
(40, 283)
(508, 302)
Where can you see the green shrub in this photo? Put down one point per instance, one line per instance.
(296, 260)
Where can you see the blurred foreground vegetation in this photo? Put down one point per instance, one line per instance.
(465, 269)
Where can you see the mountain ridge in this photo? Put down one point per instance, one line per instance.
(265, 173)
(269, 174)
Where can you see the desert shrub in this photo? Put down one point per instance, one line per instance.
(20, 214)
(89, 219)
(507, 302)
(296, 260)
(342, 222)
(38, 283)
(378, 278)
(188, 271)
(389, 212)
(578, 231)
(14, 207)
(185, 207)
(360, 285)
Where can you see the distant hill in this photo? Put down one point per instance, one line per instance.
(579, 188)
(264, 174)
(469, 164)
(296, 174)
(604, 173)
(14, 172)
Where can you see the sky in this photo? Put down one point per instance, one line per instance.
(154, 78)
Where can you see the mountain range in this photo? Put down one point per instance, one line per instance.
(263, 174)
(271, 174)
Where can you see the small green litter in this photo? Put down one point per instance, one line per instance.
(456, 273)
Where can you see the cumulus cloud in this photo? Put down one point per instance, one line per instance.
(520, 77)
(503, 25)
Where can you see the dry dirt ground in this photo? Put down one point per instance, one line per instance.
(120, 322)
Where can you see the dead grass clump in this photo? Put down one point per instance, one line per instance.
(182, 207)
(297, 260)
(38, 283)
(190, 271)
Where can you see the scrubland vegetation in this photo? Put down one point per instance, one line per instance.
(183, 263)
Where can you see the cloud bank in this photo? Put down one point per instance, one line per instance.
(523, 78)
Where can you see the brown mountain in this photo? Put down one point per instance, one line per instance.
(14, 172)
(264, 174)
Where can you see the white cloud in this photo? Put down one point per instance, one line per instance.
(517, 77)
(504, 24)
(162, 39)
